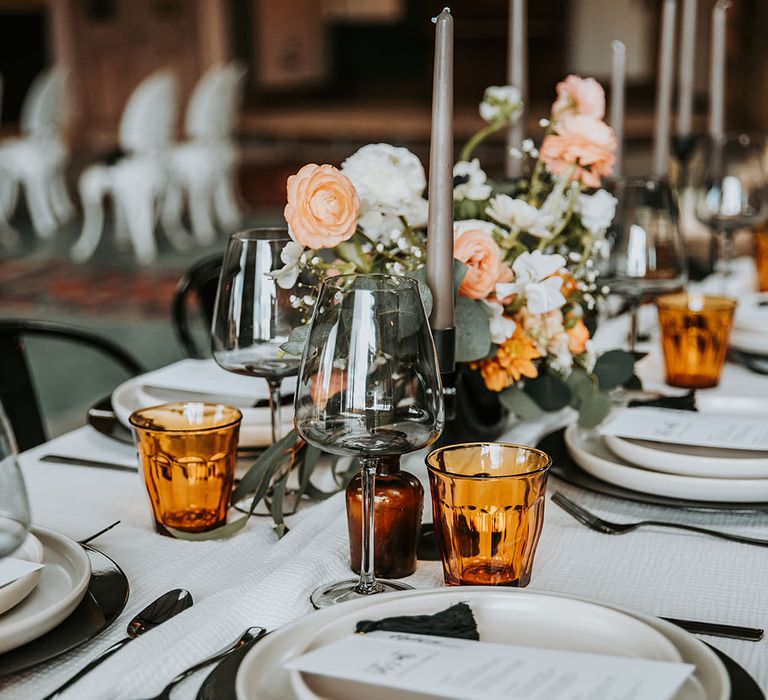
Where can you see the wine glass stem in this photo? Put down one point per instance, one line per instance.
(274, 407)
(367, 583)
(725, 256)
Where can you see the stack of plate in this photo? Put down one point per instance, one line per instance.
(750, 324)
(34, 604)
(204, 380)
(675, 471)
(504, 616)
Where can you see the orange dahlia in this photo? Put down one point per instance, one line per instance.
(513, 360)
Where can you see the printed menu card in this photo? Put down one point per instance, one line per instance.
(689, 428)
(384, 665)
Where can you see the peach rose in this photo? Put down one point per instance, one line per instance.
(578, 335)
(584, 142)
(322, 206)
(477, 249)
(577, 95)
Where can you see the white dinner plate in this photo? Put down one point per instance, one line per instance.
(255, 430)
(750, 315)
(590, 452)
(62, 585)
(14, 592)
(690, 460)
(531, 620)
(749, 341)
(262, 675)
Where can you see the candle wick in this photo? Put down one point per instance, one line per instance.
(445, 9)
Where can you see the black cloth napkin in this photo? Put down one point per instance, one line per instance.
(457, 622)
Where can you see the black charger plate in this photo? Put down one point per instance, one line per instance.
(563, 467)
(105, 599)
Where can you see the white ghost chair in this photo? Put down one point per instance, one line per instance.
(204, 168)
(138, 182)
(37, 159)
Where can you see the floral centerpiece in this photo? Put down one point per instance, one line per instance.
(526, 251)
(525, 262)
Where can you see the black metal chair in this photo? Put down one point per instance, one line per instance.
(17, 389)
(200, 281)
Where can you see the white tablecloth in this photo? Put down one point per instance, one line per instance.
(254, 579)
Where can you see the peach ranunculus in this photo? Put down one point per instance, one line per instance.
(583, 143)
(322, 208)
(482, 256)
(576, 95)
(578, 335)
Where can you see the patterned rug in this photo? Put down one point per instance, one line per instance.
(52, 285)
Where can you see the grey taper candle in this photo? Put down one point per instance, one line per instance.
(517, 75)
(440, 223)
(664, 89)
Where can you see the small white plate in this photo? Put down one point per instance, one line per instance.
(591, 453)
(255, 430)
(14, 592)
(62, 585)
(262, 675)
(690, 460)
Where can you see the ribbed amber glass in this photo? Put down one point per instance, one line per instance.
(488, 510)
(694, 337)
(761, 259)
(188, 453)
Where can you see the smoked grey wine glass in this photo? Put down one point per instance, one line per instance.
(253, 315)
(368, 387)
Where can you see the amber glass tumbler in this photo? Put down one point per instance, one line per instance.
(188, 453)
(761, 259)
(488, 510)
(694, 337)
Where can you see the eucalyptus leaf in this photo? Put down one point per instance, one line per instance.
(296, 341)
(581, 386)
(613, 368)
(516, 401)
(459, 271)
(473, 333)
(276, 507)
(266, 465)
(594, 409)
(549, 392)
(351, 253)
(420, 276)
(220, 533)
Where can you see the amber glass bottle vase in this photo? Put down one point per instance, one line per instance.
(399, 501)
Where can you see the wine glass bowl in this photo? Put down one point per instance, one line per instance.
(253, 315)
(729, 180)
(368, 387)
(647, 253)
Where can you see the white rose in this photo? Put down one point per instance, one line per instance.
(502, 327)
(518, 214)
(501, 102)
(385, 175)
(475, 187)
(597, 211)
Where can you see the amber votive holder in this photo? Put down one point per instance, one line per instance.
(761, 259)
(488, 511)
(694, 338)
(188, 453)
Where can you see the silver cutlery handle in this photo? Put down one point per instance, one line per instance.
(89, 667)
